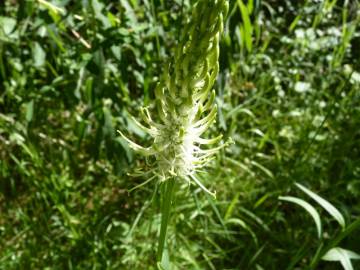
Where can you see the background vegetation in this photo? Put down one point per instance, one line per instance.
(72, 72)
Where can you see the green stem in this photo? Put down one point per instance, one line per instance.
(334, 243)
(167, 193)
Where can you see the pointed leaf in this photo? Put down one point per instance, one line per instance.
(248, 29)
(308, 207)
(325, 204)
(344, 256)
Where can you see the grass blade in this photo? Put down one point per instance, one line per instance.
(333, 243)
(308, 207)
(325, 204)
(344, 256)
(248, 29)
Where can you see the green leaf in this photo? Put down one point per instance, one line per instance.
(262, 168)
(39, 55)
(325, 204)
(98, 6)
(29, 111)
(231, 207)
(294, 23)
(250, 6)
(108, 129)
(165, 262)
(55, 37)
(334, 242)
(247, 25)
(7, 26)
(344, 256)
(241, 223)
(308, 207)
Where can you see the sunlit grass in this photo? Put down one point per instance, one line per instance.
(287, 94)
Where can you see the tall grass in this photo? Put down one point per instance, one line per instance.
(287, 94)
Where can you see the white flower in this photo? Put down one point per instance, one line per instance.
(184, 99)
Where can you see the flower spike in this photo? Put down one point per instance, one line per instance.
(185, 101)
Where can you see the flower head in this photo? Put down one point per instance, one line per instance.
(185, 100)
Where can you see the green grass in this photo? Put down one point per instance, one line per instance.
(288, 94)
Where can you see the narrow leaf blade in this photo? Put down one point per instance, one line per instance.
(308, 207)
(325, 204)
(344, 256)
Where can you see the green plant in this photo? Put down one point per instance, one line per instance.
(185, 105)
(287, 103)
(327, 250)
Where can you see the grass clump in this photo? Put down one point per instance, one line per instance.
(287, 93)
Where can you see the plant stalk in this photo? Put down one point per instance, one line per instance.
(167, 194)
